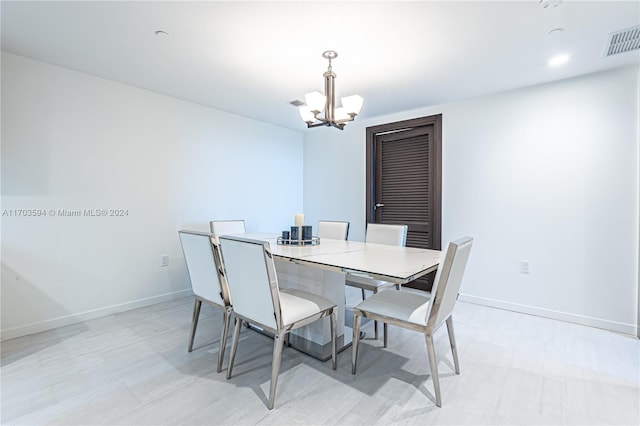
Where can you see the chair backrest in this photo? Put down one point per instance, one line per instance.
(251, 276)
(225, 227)
(203, 264)
(392, 235)
(448, 280)
(333, 229)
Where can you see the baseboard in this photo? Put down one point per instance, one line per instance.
(617, 327)
(37, 327)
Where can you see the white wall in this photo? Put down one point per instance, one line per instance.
(546, 174)
(74, 141)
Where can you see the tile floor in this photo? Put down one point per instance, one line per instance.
(133, 368)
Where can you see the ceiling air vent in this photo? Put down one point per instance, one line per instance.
(622, 41)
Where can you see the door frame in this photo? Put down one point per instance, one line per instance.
(399, 126)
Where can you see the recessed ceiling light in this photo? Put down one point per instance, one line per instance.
(162, 34)
(558, 60)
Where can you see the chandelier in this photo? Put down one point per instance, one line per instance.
(316, 102)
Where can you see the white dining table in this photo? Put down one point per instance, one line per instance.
(322, 269)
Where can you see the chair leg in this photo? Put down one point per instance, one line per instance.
(334, 322)
(278, 342)
(223, 339)
(375, 325)
(434, 368)
(363, 295)
(234, 345)
(452, 341)
(355, 342)
(194, 323)
(385, 328)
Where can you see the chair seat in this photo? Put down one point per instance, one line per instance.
(297, 305)
(366, 283)
(400, 305)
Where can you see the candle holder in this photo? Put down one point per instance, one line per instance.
(299, 236)
(313, 241)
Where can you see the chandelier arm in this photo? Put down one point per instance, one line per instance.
(352, 116)
(323, 121)
(325, 124)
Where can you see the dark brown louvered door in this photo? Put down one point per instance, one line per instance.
(403, 184)
(405, 187)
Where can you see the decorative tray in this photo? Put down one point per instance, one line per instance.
(314, 241)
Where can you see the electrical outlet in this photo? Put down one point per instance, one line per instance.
(164, 260)
(525, 267)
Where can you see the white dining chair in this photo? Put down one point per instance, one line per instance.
(377, 233)
(333, 230)
(421, 313)
(202, 257)
(251, 274)
(226, 227)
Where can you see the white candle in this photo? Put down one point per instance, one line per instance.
(298, 219)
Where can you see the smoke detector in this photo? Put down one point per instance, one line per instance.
(622, 41)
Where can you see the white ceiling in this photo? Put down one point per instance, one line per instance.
(253, 58)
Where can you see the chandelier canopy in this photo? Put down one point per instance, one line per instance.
(316, 103)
